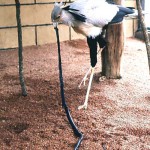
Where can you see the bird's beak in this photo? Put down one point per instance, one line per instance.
(55, 24)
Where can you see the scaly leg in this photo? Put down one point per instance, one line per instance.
(85, 78)
(92, 43)
(88, 91)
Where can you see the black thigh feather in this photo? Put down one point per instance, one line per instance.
(92, 43)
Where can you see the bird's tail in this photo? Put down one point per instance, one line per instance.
(135, 13)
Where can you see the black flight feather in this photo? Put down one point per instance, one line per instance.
(123, 11)
(75, 14)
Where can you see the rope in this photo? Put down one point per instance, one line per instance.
(64, 105)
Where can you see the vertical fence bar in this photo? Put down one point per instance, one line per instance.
(21, 77)
(36, 43)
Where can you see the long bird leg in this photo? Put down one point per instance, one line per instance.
(85, 78)
(102, 45)
(88, 90)
(92, 43)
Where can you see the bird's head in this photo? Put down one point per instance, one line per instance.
(56, 12)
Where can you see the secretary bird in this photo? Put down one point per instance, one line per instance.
(89, 18)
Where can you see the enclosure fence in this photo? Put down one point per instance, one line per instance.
(25, 24)
(37, 27)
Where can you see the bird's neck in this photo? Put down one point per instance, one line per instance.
(66, 18)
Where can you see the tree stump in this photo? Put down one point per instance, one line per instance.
(112, 54)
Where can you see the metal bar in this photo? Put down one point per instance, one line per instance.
(10, 48)
(20, 49)
(36, 35)
(25, 4)
(32, 25)
(69, 33)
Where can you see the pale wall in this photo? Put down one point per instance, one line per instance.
(40, 14)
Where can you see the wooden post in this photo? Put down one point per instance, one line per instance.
(112, 54)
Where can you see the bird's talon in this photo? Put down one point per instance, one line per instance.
(102, 78)
(82, 107)
(82, 82)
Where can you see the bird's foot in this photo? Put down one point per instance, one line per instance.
(83, 82)
(99, 77)
(102, 78)
(84, 106)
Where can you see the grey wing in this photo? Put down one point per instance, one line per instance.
(97, 12)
